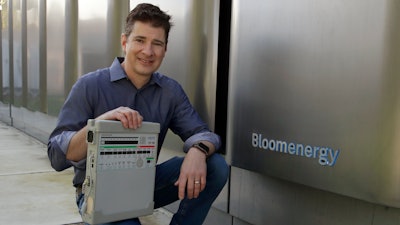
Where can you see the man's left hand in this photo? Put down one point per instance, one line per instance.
(193, 174)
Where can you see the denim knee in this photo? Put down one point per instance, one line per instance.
(218, 170)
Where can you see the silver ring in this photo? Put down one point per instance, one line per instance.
(196, 182)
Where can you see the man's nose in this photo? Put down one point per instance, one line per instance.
(148, 49)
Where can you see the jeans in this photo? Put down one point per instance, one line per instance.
(191, 211)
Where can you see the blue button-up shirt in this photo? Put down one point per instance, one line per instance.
(162, 100)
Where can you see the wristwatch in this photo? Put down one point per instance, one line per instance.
(202, 147)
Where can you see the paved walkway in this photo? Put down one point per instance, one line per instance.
(32, 193)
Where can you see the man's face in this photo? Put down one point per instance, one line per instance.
(144, 49)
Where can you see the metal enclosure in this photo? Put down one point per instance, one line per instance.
(314, 94)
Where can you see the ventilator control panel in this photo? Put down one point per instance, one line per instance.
(126, 151)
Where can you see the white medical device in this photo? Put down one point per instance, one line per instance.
(120, 171)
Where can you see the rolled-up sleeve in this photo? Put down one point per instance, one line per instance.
(205, 136)
(57, 149)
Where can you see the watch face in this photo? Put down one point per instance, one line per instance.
(203, 146)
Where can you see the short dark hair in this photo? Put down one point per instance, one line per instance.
(148, 13)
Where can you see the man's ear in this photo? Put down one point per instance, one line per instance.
(123, 42)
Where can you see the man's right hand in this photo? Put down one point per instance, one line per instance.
(129, 118)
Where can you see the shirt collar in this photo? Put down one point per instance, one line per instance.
(118, 73)
(116, 70)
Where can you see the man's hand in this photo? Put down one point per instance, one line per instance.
(193, 174)
(129, 118)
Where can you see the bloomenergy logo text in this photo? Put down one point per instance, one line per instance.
(325, 155)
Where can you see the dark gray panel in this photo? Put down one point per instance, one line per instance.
(259, 199)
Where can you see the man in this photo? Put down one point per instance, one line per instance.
(131, 91)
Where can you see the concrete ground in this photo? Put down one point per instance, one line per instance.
(32, 193)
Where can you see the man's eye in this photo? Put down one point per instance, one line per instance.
(158, 44)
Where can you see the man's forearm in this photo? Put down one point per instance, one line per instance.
(77, 148)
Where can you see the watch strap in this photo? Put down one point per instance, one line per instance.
(202, 147)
